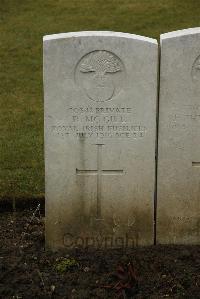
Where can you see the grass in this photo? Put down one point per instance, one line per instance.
(22, 25)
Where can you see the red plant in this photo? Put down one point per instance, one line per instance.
(127, 282)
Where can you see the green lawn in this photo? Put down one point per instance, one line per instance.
(22, 25)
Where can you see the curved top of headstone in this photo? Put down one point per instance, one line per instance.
(100, 34)
(180, 33)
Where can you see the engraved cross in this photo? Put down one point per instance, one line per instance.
(196, 164)
(99, 172)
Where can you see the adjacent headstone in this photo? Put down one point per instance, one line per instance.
(100, 125)
(178, 219)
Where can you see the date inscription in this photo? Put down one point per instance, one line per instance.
(100, 122)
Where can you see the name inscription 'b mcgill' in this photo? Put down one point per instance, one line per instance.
(100, 74)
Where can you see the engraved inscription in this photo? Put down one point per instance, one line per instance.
(133, 131)
(194, 111)
(100, 122)
(196, 69)
(100, 74)
(182, 119)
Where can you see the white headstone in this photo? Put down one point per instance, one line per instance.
(100, 126)
(178, 207)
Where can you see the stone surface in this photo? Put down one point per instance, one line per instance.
(100, 106)
(178, 207)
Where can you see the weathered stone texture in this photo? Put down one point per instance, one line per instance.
(100, 126)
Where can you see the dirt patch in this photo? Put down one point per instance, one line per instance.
(28, 271)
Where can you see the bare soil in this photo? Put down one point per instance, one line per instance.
(28, 271)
